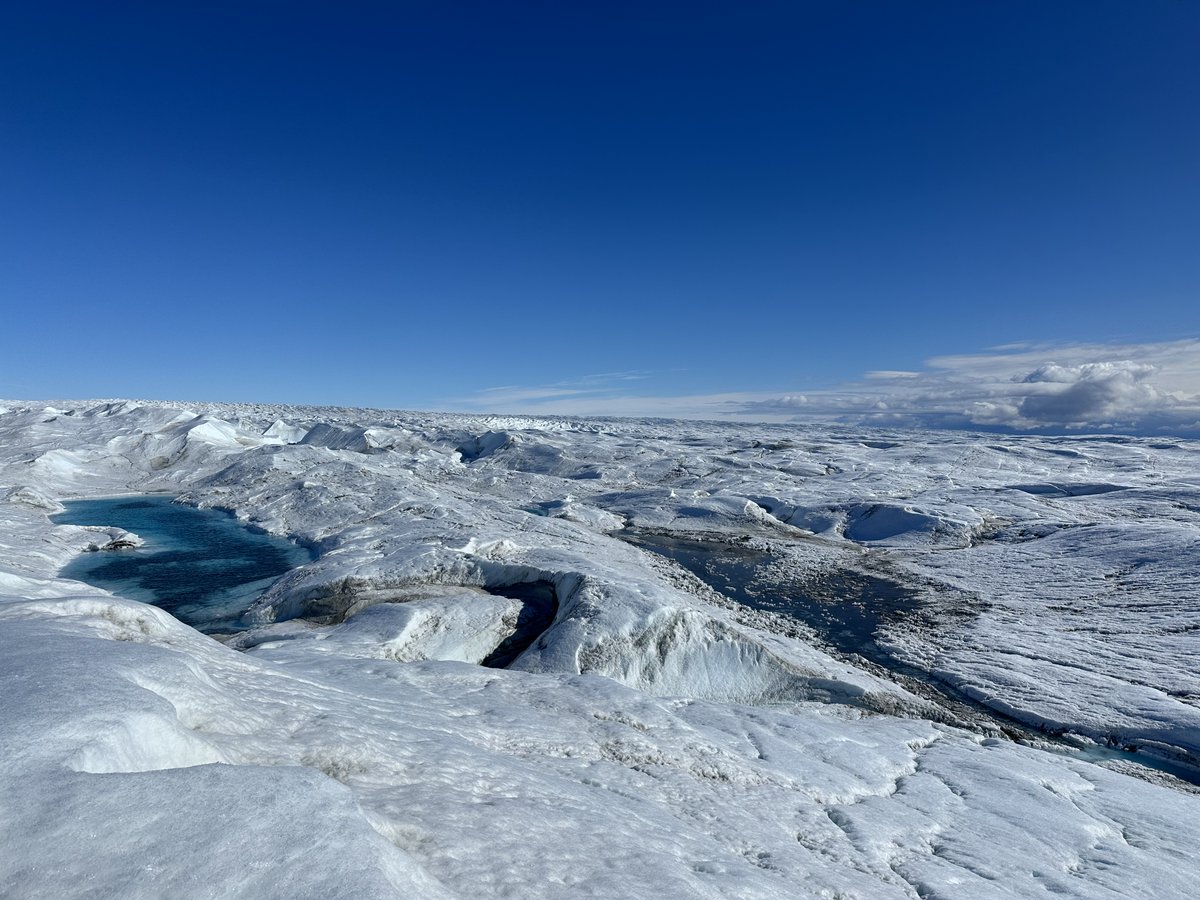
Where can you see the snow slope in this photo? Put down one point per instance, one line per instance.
(656, 739)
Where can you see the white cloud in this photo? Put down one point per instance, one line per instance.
(1143, 388)
(1091, 392)
(1084, 387)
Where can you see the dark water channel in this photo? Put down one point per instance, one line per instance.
(846, 610)
(539, 606)
(202, 566)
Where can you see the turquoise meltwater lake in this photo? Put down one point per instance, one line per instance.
(202, 566)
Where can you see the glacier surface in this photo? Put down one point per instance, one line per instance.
(1030, 726)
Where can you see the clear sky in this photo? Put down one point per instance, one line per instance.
(594, 207)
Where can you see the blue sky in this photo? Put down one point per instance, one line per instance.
(671, 208)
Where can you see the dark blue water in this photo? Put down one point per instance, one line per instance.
(202, 566)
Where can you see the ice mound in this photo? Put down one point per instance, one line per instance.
(359, 440)
(881, 524)
(427, 622)
(574, 511)
(34, 498)
(284, 433)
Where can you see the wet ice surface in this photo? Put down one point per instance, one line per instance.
(848, 611)
(202, 566)
(845, 609)
(353, 746)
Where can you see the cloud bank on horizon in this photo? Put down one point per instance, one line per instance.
(1146, 388)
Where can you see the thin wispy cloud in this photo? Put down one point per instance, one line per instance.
(891, 373)
(1137, 388)
(501, 396)
(583, 388)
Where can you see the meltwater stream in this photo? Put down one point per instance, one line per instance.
(846, 611)
(201, 565)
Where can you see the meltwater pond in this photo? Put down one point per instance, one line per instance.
(200, 565)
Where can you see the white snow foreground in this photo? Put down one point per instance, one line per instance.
(654, 740)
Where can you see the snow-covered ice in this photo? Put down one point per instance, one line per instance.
(656, 739)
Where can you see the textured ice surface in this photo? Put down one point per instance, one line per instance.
(657, 739)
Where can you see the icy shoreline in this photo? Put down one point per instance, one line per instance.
(685, 749)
